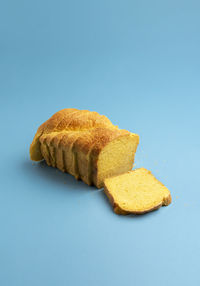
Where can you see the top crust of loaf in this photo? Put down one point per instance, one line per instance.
(98, 127)
(112, 187)
(74, 119)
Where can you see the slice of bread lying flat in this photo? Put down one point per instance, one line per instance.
(136, 192)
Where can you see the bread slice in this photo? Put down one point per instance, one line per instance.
(136, 192)
(85, 144)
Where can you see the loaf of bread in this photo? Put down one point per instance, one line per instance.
(136, 192)
(85, 144)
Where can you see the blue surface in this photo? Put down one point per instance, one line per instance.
(137, 62)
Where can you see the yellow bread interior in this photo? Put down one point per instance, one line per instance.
(117, 157)
(136, 192)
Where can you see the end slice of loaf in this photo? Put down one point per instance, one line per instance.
(136, 192)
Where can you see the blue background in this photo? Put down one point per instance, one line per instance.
(138, 62)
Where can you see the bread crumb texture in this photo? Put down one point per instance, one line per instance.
(136, 192)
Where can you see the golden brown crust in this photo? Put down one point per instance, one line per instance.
(80, 131)
(74, 119)
(100, 131)
(69, 119)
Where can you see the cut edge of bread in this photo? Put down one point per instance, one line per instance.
(121, 152)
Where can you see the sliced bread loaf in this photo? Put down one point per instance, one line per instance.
(85, 144)
(136, 192)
